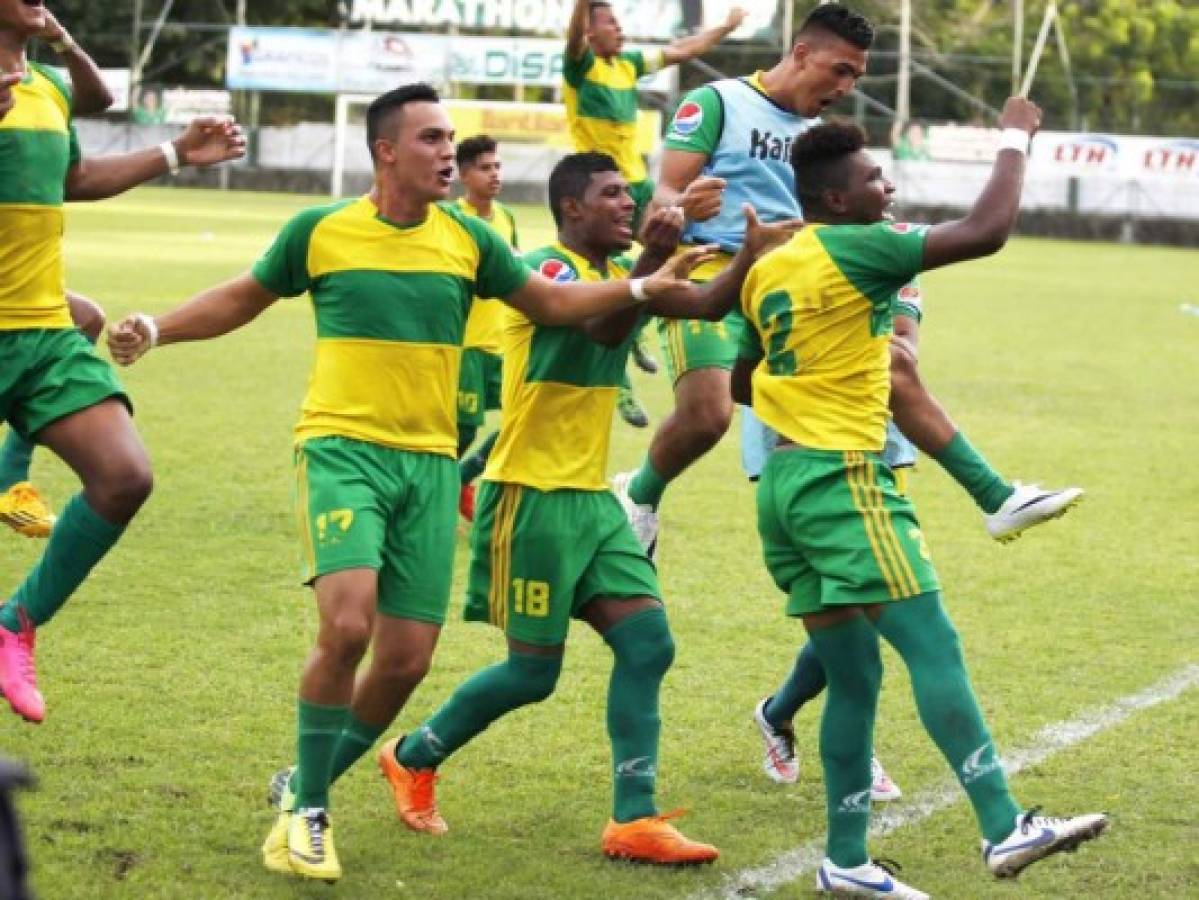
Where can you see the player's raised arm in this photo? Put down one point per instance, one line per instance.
(694, 45)
(573, 303)
(576, 30)
(209, 314)
(89, 93)
(206, 141)
(986, 228)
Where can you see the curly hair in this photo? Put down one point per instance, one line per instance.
(818, 160)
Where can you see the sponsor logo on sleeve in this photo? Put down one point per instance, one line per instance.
(908, 228)
(556, 270)
(687, 119)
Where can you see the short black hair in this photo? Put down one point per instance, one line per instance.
(572, 175)
(850, 26)
(472, 148)
(818, 160)
(379, 113)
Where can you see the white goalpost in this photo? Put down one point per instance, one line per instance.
(341, 126)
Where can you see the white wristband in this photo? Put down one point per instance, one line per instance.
(151, 326)
(637, 289)
(172, 156)
(1015, 139)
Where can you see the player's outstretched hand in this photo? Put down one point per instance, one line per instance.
(52, 31)
(672, 276)
(209, 140)
(662, 230)
(763, 237)
(130, 338)
(1020, 113)
(8, 81)
(736, 16)
(701, 199)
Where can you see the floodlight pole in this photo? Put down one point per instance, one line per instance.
(903, 84)
(1017, 43)
(135, 69)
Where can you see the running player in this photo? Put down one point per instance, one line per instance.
(480, 170)
(391, 275)
(22, 506)
(550, 542)
(838, 537)
(600, 93)
(54, 389)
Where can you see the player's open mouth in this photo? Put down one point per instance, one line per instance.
(446, 175)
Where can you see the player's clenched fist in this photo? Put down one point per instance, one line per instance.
(1020, 113)
(663, 230)
(130, 338)
(701, 199)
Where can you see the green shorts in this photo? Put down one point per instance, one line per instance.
(49, 373)
(478, 385)
(836, 531)
(642, 193)
(362, 505)
(538, 557)
(697, 344)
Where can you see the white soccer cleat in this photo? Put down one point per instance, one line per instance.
(641, 516)
(882, 788)
(867, 880)
(1036, 837)
(1029, 505)
(779, 763)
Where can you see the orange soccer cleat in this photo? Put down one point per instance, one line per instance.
(413, 791)
(654, 840)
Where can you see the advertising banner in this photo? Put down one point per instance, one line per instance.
(367, 62)
(653, 20)
(538, 123)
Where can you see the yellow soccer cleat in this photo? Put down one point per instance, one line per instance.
(310, 850)
(25, 511)
(274, 848)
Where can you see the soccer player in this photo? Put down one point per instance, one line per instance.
(54, 389)
(22, 507)
(837, 536)
(391, 275)
(480, 169)
(729, 144)
(550, 542)
(600, 93)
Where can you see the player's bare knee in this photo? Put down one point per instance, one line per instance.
(121, 488)
(405, 670)
(708, 421)
(345, 637)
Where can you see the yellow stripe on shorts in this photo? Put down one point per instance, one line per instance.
(501, 554)
(676, 346)
(855, 464)
(907, 576)
(303, 520)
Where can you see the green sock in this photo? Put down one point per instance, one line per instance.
(79, 540)
(466, 437)
(472, 467)
(647, 486)
(15, 456)
(356, 738)
(805, 681)
(849, 652)
(928, 642)
(519, 680)
(969, 469)
(643, 650)
(318, 729)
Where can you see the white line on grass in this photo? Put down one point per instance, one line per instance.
(1047, 742)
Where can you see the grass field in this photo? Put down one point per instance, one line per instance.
(171, 676)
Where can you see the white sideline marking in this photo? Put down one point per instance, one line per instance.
(1047, 742)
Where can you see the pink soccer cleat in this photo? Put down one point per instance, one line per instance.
(18, 677)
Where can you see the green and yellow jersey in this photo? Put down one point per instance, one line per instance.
(820, 311)
(485, 324)
(37, 148)
(559, 391)
(601, 105)
(391, 302)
